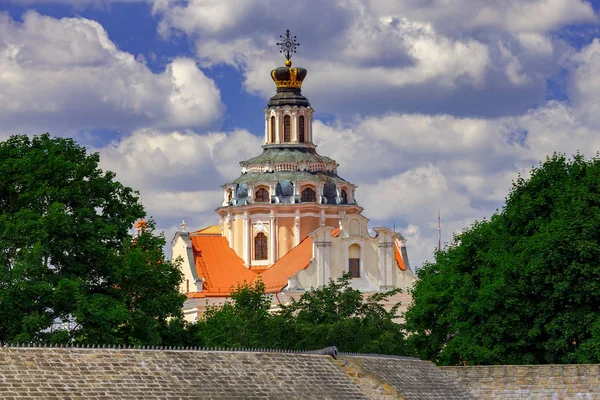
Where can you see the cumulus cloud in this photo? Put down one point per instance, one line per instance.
(584, 83)
(178, 173)
(517, 16)
(464, 58)
(77, 3)
(412, 165)
(66, 74)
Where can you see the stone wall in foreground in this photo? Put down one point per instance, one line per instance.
(85, 373)
(529, 381)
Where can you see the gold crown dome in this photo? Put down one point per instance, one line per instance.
(288, 77)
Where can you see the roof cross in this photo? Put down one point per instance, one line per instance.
(287, 44)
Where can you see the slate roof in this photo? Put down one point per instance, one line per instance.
(294, 176)
(284, 153)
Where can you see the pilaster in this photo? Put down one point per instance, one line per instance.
(297, 228)
(247, 246)
(272, 236)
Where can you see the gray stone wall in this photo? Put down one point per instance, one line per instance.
(150, 374)
(412, 378)
(529, 381)
(86, 373)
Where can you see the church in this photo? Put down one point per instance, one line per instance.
(289, 219)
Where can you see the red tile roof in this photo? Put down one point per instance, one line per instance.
(276, 277)
(335, 232)
(218, 264)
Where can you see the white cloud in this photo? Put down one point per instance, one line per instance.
(177, 173)
(584, 84)
(515, 16)
(466, 57)
(77, 3)
(66, 74)
(412, 165)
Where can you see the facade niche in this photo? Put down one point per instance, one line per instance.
(354, 260)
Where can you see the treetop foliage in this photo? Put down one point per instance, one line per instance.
(66, 252)
(524, 286)
(333, 315)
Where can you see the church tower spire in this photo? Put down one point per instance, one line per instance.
(289, 190)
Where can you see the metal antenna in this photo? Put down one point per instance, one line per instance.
(439, 231)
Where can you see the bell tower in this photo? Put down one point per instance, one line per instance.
(289, 190)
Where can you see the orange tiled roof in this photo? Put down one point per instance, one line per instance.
(276, 277)
(209, 230)
(399, 259)
(335, 232)
(141, 224)
(218, 264)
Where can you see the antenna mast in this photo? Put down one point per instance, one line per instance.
(439, 232)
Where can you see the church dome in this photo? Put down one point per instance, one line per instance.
(288, 81)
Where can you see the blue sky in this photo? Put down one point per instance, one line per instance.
(427, 106)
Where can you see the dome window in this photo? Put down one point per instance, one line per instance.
(308, 196)
(262, 196)
(272, 129)
(286, 129)
(343, 197)
(301, 129)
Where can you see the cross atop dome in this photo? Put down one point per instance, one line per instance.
(288, 46)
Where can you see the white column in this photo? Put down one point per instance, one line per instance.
(320, 192)
(296, 192)
(297, 228)
(382, 260)
(273, 234)
(277, 128)
(225, 198)
(320, 264)
(338, 193)
(266, 128)
(389, 281)
(247, 246)
(294, 128)
(328, 260)
(308, 122)
(229, 232)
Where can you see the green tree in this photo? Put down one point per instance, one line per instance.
(524, 286)
(66, 251)
(335, 314)
(244, 321)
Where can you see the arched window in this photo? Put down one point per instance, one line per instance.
(301, 129)
(343, 197)
(308, 196)
(286, 129)
(354, 260)
(272, 129)
(260, 246)
(262, 196)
